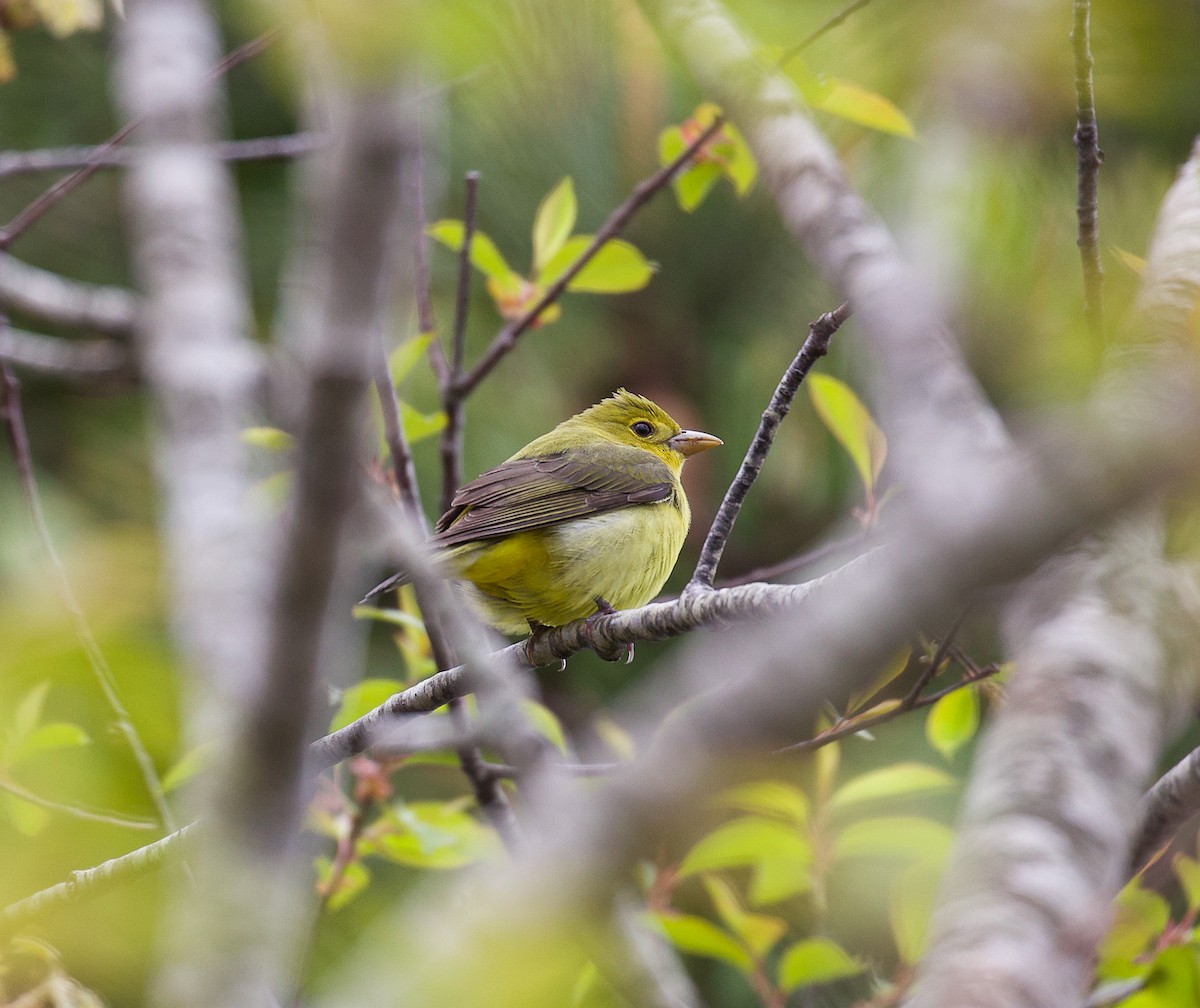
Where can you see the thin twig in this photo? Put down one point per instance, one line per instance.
(852, 726)
(1089, 158)
(76, 811)
(403, 470)
(815, 346)
(426, 321)
(506, 771)
(102, 156)
(74, 360)
(65, 186)
(452, 433)
(98, 308)
(507, 337)
(92, 881)
(934, 665)
(829, 25)
(10, 409)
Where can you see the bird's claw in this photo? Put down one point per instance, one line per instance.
(617, 653)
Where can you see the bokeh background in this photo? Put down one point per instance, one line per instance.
(526, 92)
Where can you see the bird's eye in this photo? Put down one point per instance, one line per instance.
(642, 428)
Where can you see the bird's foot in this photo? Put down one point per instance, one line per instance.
(536, 632)
(621, 652)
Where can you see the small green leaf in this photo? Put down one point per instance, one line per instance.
(891, 782)
(739, 165)
(545, 723)
(188, 766)
(1139, 917)
(430, 834)
(815, 960)
(758, 932)
(1187, 870)
(418, 425)
(891, 672)
(616, 268)
(47, 738)
(910, 837)
(29, 710)
(553, 223)
(362, 697)
(485, 257)
(953, 721)
(693, 184)
(849, 422)
(779, 879)
(910, 906)
(268, 438)
(696, 936)
(852, 102)
(1174, 981)
(27, 818)
(768, 797)
(747, 841)
(615, 737)
(353, 881)
(407, 356)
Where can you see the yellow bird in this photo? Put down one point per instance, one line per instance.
(587, 518)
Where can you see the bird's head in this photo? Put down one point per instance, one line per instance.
(633, 420)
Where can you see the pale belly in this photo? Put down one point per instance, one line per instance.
(627, 570)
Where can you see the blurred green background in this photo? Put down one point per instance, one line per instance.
(526, 92)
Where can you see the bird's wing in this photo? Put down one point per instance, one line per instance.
(534, 492)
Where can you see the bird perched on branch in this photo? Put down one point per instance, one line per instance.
(586, 519)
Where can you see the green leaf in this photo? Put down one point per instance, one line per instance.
(855, 103)
(693, 184)
(849, 422)
(1134, 263)
(418, 425)
(362, 697)
(747, 841)
(407, 356)
(696, 936)
(615, 737)
(910, 837)
(815, 960)
(268, 438)
(1139, 917)
(758, 932)
(27, 818)
(1187, 870)
(188, 766)
(1174, 981)
(29, 710)
(953, 721)
(910, 906)
(891, 782)
(894, 669)
(353, 881)
(553, 223)
(545, 723)
(779, 879)
(47, 738)
(616, 268)
(739, 165)
(428, 834)
(768, 797)
(485, 257)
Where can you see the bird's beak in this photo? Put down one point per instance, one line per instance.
(689, 442)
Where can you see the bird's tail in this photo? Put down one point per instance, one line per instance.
(395, 581)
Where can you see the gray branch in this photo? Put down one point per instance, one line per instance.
(110, 311)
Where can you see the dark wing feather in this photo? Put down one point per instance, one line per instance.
(535, 492)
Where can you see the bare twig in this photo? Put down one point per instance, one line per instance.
(102, 877)
(1089, 158)
(826, 27)
(64, 187)
(10, 400)
(110, 311)
(452, 402)
(73, 360)
(76, 811)
(808, 558)
(506, 339)
(269, 148)
(815, 346)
